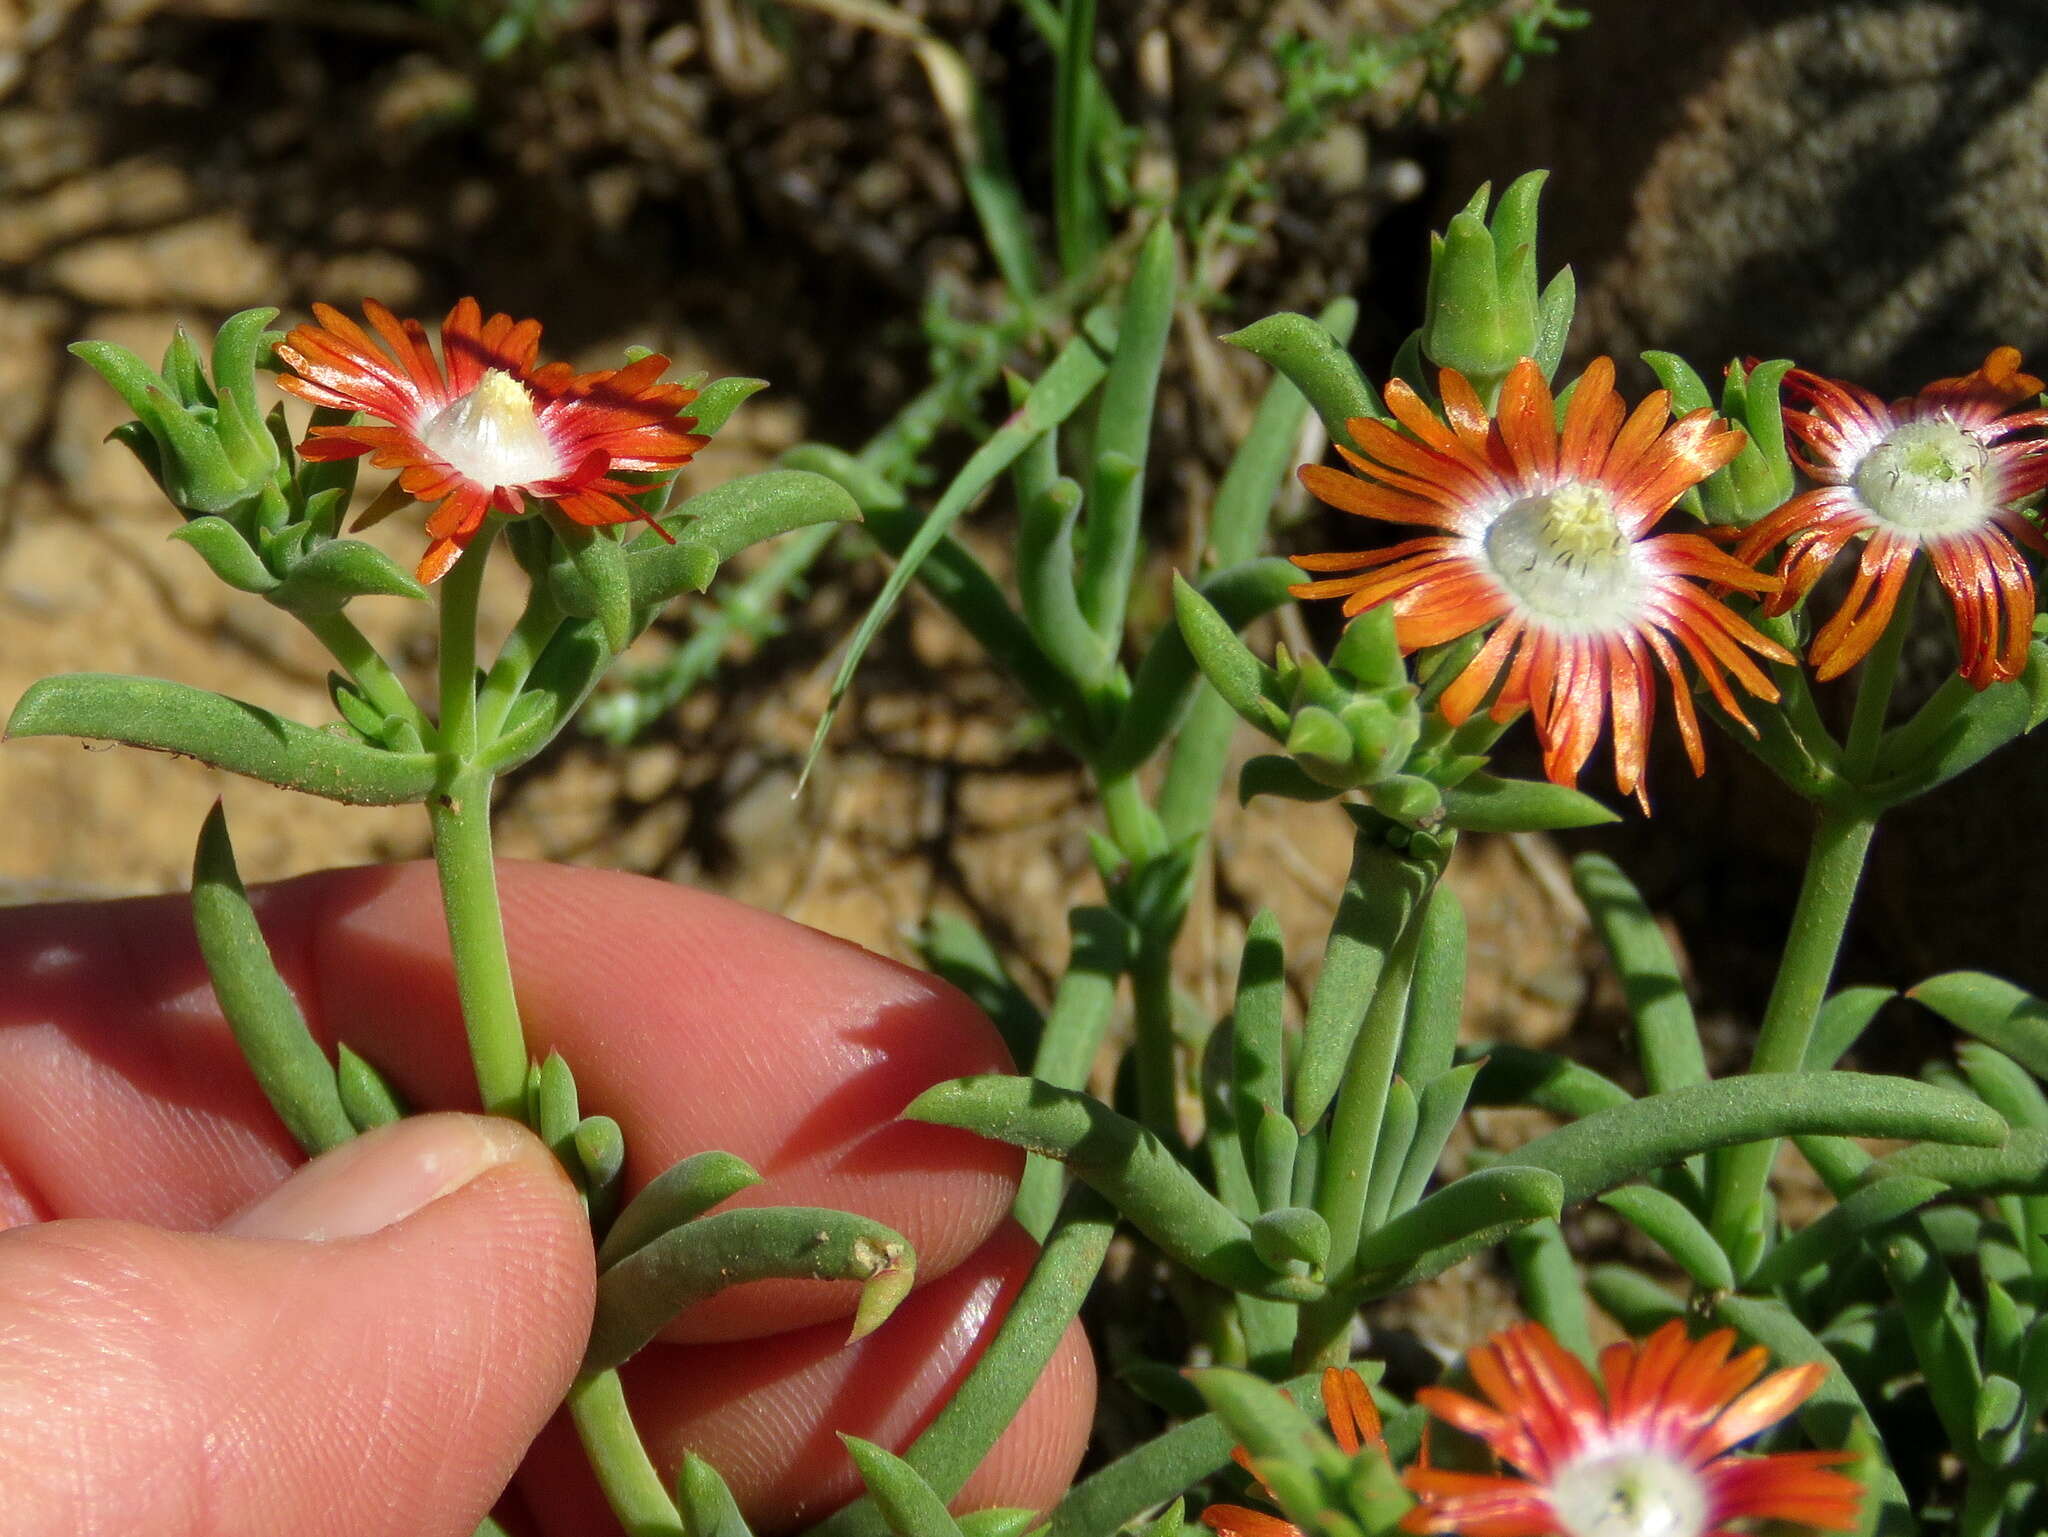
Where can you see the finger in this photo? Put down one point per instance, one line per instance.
(694, 1021)
(368, 1350)
(767, 1413)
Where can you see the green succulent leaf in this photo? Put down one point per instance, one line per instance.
(366, 1096)
(324, 581)
(293, 1071)
(640, 1294)
(1993, 1010)
(225, 733)
(1128, 1164)
(911, 1506)
(1481, 803)
(1317, 364)
(681, 1193)
(221, 545)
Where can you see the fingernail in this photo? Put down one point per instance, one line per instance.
(382, 1177)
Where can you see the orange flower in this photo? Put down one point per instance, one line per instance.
(1937, 471)
(1547, 533)
(1652, 1453)
(482, 428)
(1354, 1421)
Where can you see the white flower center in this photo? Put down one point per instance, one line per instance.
(492, 436)
(1629, 1494)
(1565, 556)
(1928, 478)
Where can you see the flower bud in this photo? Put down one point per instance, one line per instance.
(1485, 311)
(204, 441)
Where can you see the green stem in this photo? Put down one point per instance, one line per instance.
(460, 812)
(1874, 685)
(461, 817)
(604, 1424)
(459, 592)
(1353, 1148)
(1834, 868)
(1135, 828)
(1152, 999)
(515, 661)
(365, 664)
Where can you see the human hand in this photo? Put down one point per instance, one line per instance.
(176, 1357)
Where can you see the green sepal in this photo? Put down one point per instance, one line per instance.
(221, 545)
(317, 477)
(643, 1292)
(1292, 1235)
(1315, 362)
(707, 1505)
(1125, 1162)
(1667, 1222)
(1480, 803)
(681, 1193)
(1472, 1212)
(1154, 1472)
(1469, 324)
(1410, 369)
(1554, 320)
(1985, 722)
(1274, 1432)
(910, 1505)
(716, 402)
(1247, 685)
(323, 513)
(182, 372)
(190, 463)
(293, 1071)
(1314, 733)
(1368, 653)
(1688, 391)
(1172, 1521)
(224, 733)
(1759, 480)
(594, 583)
(324, 581)
(366, 1096)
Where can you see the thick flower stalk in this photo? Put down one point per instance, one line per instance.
(482, 428)
(1936, 473)
(1650, 1455)
(1354, 1421)
(1545, 534)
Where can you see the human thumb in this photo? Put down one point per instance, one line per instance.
(368, 1349)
